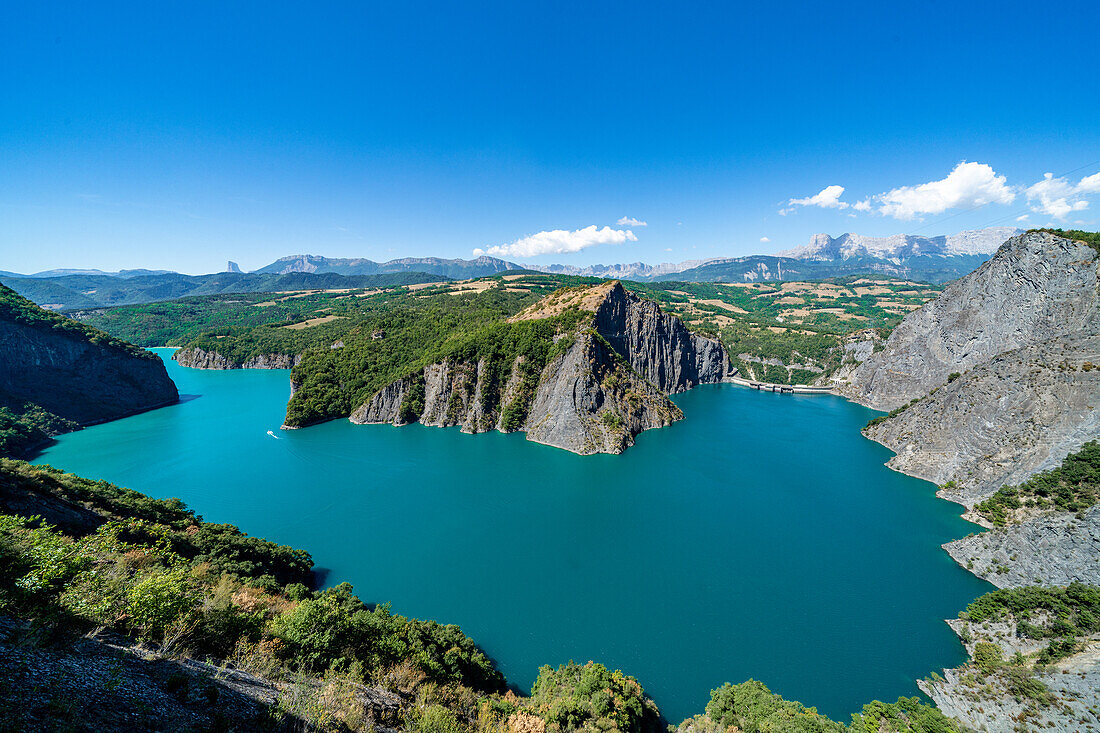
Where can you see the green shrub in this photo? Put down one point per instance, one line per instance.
(591, 697)
(1071, 487)
(907, 715)
(753, 708)
(160, 600)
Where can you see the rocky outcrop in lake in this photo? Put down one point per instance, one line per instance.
(197, 358)
(607, 381)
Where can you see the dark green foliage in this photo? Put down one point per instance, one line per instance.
(753, 708)
(28, 425)
(334, 629)
(413, 403)
(16, 309)
(952, 377)
(127, 574)
(907, 715)
(592, 698)
(1074, 612)
(1072, 487)
(461, 329)
(223, 547)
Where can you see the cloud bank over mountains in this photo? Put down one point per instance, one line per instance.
(968, 186)
(559, 241)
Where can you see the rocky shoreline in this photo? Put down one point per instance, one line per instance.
(995, 381)
(197, 358)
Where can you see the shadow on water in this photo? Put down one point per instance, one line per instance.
(320, 577)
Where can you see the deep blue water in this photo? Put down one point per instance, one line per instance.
(760, 537)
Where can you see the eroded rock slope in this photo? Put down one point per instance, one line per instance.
(1036, 287)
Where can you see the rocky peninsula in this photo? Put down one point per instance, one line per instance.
(608, 380)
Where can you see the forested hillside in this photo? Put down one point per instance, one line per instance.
(57, 374)
(779, 332)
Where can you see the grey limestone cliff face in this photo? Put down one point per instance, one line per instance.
(453, 394)
(658, 345)
(76, 378)
(1019, 413)
(1058, 548)
(582, 386)
(610, 384)
(197, 358)
(1037, 286)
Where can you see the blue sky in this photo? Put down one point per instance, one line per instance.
(180, 135)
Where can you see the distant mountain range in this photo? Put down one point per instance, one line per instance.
(928, 259)
(66, 272)
(66, 292)
(457, 269)
(899, 247)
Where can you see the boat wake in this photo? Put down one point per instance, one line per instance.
(272, 434)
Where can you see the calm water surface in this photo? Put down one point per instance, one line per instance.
(760, 537)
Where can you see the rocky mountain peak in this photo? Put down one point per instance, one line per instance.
(1036, 287)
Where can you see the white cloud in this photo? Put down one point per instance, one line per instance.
(968, 185)
(668, 249)
(1089, 184)
(559, 241)
(1058, 197)
(1024, 217)
(765, 239)
(826, 198)
(630, 221)
(864, 205)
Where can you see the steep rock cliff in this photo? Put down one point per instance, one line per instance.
(197, 358)
(605, 383)
(73, 371)
(1019, 413)
(994, 381)
(657, 345)
(1037, 286)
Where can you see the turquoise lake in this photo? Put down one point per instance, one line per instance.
(761, 536)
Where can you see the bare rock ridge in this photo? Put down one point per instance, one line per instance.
(1036, 287)
(1006, 419)
(1001, 364)
(610, 383)
(1004, 368)
(72, 371)
(994, 381)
